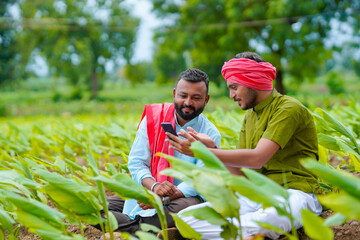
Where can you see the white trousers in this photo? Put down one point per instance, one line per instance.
(251, 211)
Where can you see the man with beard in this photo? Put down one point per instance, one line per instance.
(277, 132)
(190, 98)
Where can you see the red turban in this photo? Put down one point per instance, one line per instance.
(251, 74)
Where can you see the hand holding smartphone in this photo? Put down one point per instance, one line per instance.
(168, 128)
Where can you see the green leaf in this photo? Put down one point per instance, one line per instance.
(314, 226)
(342, 203)
(207, 214)
(74, 165)
(69, 194)
(185, 230)
(148, 227)
(113, 222)
(213, 188)
(180, 165)
(39, 226)
(92, 162)
(210, 160)
(336, 144)
(276, 229)
(6, 221)
(346, 181)
(230, 231)
(336, 219)
(338, 126)
(255, 193)
(126, 188)
(269, 186)
(34, 207)
(146, 236)
(323, 154)
(178, 175)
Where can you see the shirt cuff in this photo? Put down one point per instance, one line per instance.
(187, 190)
(141, 175)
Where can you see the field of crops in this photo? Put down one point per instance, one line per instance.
(54, 171)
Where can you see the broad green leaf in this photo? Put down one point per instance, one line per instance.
(180, 165)
(126, 188)
(336, 144)
(210, 160)
(208, 214)
(127, 236)
(314, 226)
(255, 193)
(42, 162)
(69, 194)
(269, 186)
(276, 229)
(176, 174)
(336, 219)
(146, 235)
(342, 203)
(148, 227)
(342, 179)
(323, 154)
(89, 219)
(187, 169)
(92, 162)
(73, 165)
(39, 226)
(185, 230)
(355, 161)
(73, 140)
(338, 126)
(6, 221)
(75, 202)
(34, 207)
(230, 231)
(213, 188)
(113, 222)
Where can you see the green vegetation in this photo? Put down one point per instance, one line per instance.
(65, 138)
(288, 34)
(69, 161)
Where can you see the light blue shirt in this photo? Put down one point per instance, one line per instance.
(140, 156)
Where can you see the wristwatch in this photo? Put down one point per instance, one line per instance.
(166, 200)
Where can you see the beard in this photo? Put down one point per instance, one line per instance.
(251, 98)
(188, 116)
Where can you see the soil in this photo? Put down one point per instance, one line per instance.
(347, 231)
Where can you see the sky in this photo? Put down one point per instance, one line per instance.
(144, 45)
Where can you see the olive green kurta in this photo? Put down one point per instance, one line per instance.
(287, 122)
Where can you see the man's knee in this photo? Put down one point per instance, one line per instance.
(181, 203)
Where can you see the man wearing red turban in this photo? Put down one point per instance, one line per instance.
(277, 132)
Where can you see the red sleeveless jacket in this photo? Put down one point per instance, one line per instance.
(155, 115)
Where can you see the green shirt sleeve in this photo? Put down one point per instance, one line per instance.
(241, 142)
(282, 125)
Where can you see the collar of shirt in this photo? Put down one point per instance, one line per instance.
(258, 108)
(192, 123)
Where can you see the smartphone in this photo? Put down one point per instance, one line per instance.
(168, 128)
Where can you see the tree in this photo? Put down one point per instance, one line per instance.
(12, 63)
(289, 34)
(79, 37)
(139, 72)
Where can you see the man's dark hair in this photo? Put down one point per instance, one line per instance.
(249, 55)
(194, 75)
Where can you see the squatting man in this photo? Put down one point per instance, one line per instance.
(276, 133)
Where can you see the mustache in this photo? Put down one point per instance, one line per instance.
(185, 106)
(236, 99)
